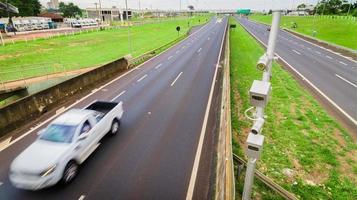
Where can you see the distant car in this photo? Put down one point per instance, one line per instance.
(66, 143)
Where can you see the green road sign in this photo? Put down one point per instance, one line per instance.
(244, 11)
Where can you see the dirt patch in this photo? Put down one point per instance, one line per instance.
(346, 165)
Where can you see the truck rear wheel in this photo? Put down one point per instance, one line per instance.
(115, 127)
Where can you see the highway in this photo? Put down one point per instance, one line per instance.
(156, 154)
(333, 76)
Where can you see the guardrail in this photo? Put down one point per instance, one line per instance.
(267, 181)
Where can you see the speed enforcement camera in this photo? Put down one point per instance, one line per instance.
(263, 62)
(259, 93)
(255, 145)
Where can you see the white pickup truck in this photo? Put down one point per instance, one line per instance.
(64, 144)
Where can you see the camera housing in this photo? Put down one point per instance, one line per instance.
(260, 93)
(258, 126)
(263, 62)
(255, 145)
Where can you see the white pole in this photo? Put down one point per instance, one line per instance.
(249, 176)
(127, 21)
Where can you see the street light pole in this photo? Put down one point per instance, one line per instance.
(129, 31)
(259, 94)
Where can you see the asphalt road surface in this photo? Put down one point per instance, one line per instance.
(165, 102)
(332, 75)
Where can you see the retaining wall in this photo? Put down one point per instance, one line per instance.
(28, 108)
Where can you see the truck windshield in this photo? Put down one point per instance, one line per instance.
(59, 133)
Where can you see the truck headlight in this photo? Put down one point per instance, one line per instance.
(48, 171)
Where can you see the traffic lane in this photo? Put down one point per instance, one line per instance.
(320, 72)
(105, 93)
(161, 179)
(340, 63)
(88, 101)
(342, 93)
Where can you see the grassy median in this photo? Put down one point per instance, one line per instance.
(43, 56)
(305, 150)
(337, 30)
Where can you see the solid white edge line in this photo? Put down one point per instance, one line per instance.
(169, 58)
(318, 52)
(199, 50)
(123, 92)
(203, 130)
(296, 52)
(347, 81)
(142, 78)
(311, 84)
(90, 94)
(1, 183)
(329, 57)
(178, 76)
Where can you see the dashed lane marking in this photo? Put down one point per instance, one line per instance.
(178, 76)
(343, 63)
(142, 78)
(296, 52)
(123, 92)
(158, 66)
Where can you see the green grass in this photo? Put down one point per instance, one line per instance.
(334, 30)
(299, 134)
(36, 58)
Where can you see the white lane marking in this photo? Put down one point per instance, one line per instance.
(343, 63)
(199, 50)
(178, 76)
(82, 197)
(309, 48)
(318, 52)
(102, 87)
(347, 81)
(192, 183)
(178, 51)
(296, 52)
(123, 92)
(329, 50)
(307, 80)
(302, 45)
(208, 38)
(329, 57)
(142, 78)
(5, 142)
(183, 47)
(1, 183)
(158, 66)
(169, 58)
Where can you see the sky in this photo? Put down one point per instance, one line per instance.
(198, 4)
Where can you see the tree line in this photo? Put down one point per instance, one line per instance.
(336, 7)
(33, 8)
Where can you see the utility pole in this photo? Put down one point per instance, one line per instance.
(127, 21)
(349, 8)
(100, 11)
(259, 97)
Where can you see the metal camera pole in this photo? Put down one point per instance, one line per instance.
(259, 94)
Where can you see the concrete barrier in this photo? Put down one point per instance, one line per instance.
(28, 108)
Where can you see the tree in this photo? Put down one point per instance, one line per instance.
(26, 8)
(69, 10)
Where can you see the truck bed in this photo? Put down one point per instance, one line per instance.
(102, 107)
